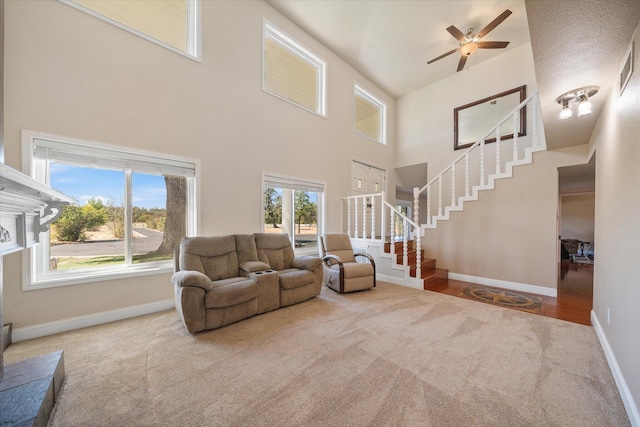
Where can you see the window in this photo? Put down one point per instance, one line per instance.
(369, 115)
(130, 209)
(292, 72)
(170, 23)
(293, 206)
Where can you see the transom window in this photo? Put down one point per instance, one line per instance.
(292, 72)
(130, 210)
(170, 23)
(369, 115)
(293, 206)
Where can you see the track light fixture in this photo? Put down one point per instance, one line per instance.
(581, 96)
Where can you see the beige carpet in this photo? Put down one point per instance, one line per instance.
(390, 356)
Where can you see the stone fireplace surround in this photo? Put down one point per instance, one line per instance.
(28, 389)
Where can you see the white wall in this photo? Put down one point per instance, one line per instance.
(617, 230)
(425, 117)
(70, 74)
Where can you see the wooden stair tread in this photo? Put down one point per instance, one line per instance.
(435, 277)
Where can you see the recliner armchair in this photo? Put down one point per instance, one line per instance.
(341, 272)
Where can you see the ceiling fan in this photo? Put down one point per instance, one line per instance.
(470, 42)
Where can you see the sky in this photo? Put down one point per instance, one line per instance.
(82, 184)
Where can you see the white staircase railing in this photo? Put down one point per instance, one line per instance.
(468, 174)
(370, 217)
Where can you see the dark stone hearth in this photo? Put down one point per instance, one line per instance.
(29, 390)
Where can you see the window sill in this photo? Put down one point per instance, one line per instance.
(96, 276)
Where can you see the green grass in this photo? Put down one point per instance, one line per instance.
(68, 263)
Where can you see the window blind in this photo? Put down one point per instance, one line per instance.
(290, 183)
(291, 72)
(165, 20)
(368, 118)
(104, 157)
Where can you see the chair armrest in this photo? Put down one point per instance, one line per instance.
(367, 256)
(192, 278)
(330, 260)
(306, 262)
(373, 264)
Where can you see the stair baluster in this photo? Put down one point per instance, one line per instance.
(349, 217)
(516, 127)
(498, 150)
(482, 162)
(364, 217)
(373, 219)
(466, 174)
(429, 204)
(453, 185)
(440, 196)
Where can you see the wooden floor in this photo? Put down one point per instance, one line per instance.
(575, 293)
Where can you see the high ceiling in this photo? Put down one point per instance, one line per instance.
(575, 43)
(390, 42)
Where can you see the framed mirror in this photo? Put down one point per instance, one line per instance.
(472, 121)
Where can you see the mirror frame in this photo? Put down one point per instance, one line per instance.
(523, 117)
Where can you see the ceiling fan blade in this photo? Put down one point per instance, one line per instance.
(456, 33)
(443, 55)
(492, 45)
(504, 15)
(463, 60)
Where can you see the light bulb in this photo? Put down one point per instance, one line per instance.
(584, 106)
(566, 112)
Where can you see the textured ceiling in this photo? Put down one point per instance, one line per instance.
(390, 42)
(577, 43)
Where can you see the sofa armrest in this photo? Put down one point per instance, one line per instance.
(254, 266)
(192, 278)
(306, 262)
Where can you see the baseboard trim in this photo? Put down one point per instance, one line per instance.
(412, 283)
(73, 323)
(623, 388)
(514, 286)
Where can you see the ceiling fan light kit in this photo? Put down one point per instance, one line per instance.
(468, 48)
(580, 95)
(470, 42)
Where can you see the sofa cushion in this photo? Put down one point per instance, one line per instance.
(214, 256)
(292, 278)
(231, 291)
(275, 250)
(338, 244)
(221, 267)
(274, 257)
(246, 248)
(355, 269)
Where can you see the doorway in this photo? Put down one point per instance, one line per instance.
(576, 240)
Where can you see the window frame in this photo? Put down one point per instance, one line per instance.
(271, 31)
(193, 28)
(35, 273)
(376, 102)
(296, 181)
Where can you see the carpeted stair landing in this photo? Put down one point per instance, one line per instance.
(390, 356)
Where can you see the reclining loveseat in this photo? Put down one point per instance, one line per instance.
(223, 279)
